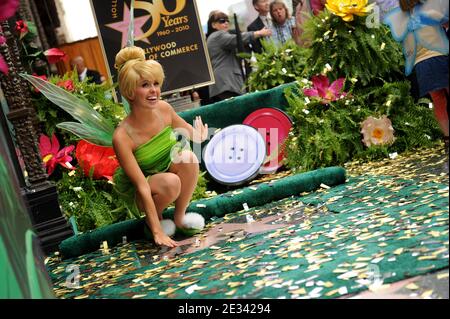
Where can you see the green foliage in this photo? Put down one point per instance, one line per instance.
(276, 65)
(328, 135)
(352, 50)
(414, 123)
(93, 203)
(201, 187)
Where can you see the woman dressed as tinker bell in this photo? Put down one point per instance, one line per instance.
(153, 172)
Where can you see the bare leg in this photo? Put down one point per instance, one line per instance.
(165, 188)
(186, 168)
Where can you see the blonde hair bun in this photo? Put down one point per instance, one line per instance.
(132, 66)
(129, 54)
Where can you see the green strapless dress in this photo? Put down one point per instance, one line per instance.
(153, 157)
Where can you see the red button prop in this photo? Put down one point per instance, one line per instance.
(274, 125)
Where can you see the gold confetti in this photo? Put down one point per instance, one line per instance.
(231, 292)
(427, 294)
(287, 268)
(412, 286)
(442, 276)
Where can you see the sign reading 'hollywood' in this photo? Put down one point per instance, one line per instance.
(168, 30)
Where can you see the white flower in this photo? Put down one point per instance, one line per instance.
(307, 100)
(284, 70)
(305, 111)
(377, 131)
(382, 46)
(77, 189)
(388, 103)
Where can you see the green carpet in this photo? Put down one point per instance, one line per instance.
(368, 231)
(220, 205)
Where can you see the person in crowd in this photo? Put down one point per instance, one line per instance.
(283, 25)
(154, 169)
(431, 59)
(263, 20)
(222, 47)
(92, 76)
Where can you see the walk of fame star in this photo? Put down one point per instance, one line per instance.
(122, 26)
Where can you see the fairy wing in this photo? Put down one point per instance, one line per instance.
(92, 126)
(397, 20)
(409, 52)
(433, 39)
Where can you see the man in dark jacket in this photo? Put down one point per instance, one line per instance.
(263, 20)
(91, 76)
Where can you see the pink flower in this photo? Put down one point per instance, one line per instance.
(3, 66)
(55, 55)
(324, 91)
(22, 28)
(67, 85)
(8, 8)
(51, 155)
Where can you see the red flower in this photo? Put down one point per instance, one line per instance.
(55, 55)
(8, 8)
(67, 85)
(324, 91)
(22, 28)
(51, 155)
(101, 159)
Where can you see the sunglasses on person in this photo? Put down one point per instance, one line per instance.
(223, 20)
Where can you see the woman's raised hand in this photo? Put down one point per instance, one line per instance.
(200, 130)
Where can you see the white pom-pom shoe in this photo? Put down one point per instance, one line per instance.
(193, 224)
(168, 227)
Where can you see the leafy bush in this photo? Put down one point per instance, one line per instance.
(328, 135)
(352, 50)
(276, 66)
